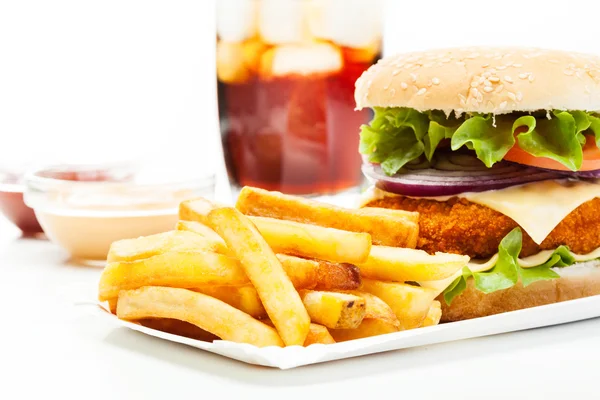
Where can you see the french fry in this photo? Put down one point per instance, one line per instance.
(404, 265)
(386, 227)
(196, 210)
(206, 312)
(112, 305)
(278, 295)
(152, 245)
(289, 237)
(201, 270)
(303, 273)
(379, 319)
(244, 298)
(334, 310)
(318, 334)
(410, 303)
(173, 269)
(179, 328)
(434, 315)
(215, 241)
(333, 276)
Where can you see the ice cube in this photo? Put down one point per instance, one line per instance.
(252, 53)
(301, 59)
(348, 23)
(236, 19)
(231, 67)
(283, 21)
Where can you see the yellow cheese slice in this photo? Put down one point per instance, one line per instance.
(540, 206)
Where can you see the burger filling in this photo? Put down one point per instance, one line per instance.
(516, 192)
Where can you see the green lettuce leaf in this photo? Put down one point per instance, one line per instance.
(457, 286)
(397, 136)
(595, 128)
(490, 143)
(435, 134)
(558, 138)
(507, 271)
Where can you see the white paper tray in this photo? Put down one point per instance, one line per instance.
(296, 356)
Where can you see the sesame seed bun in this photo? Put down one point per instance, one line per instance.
(577, 281)
(483, 80)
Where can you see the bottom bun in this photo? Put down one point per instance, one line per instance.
(577, 281)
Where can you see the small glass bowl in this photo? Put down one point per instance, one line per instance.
(12, 205)
(84, 208)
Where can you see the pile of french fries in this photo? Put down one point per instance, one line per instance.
(277, 270)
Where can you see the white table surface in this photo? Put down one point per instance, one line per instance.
(51, 348)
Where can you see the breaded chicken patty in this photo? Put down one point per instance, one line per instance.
(463, 227)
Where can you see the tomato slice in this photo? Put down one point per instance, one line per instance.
(591, 158)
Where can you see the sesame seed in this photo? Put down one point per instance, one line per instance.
(393, 92)
(446, 59)
(488, 89)
(474, 92)
(499, 88)
(473, 55)
(421, 91)
(531, 77)
(519, 96)
(413, 77)
(503, 105)
(474, 84)
(481, 79)
(409, 65)
(403, 85)
(494, 79)
(508, 79)
(511, 96)
(501, 67)
(487, 84)
(479, 97)
(508, 64)
(396, 72)
(460, 63)
(517, 65)
(523, 76)
(485, 65)
(435, 81)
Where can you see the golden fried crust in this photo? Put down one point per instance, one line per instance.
(460, 226)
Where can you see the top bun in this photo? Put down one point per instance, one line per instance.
(496, 80)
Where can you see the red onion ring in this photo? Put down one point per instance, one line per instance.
(433, 182)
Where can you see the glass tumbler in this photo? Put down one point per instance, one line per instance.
(286, 71)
